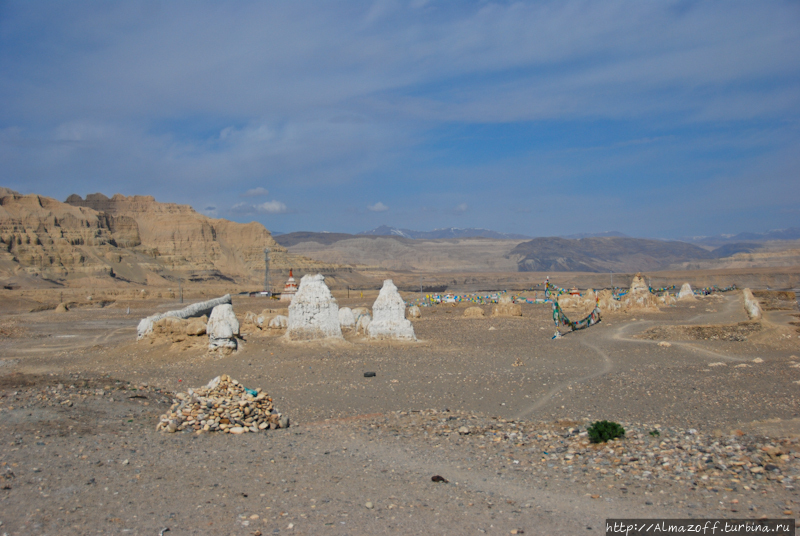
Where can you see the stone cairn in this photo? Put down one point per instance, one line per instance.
(314, 313)
(224, 405)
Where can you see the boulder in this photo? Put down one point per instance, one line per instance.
(474, 312)
(196, 326)
(389, 316)
(222, 328)
(278, 322)
(314, 313)
(171, 328)
(62, 308)
(686, 293)
(346, 318)
(414, 312)
(506, 307)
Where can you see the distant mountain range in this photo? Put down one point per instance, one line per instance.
(791, 233)
(449, 232)
(603, 254)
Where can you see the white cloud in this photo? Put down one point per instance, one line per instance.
(268, 207)
(377, 207)
(256, 192)
(461, 207)
(273, 207)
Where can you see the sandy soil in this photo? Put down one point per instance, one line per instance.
(80, 399)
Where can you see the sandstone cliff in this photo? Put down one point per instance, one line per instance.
(133, 239)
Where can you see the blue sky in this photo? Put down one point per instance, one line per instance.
(662, 119)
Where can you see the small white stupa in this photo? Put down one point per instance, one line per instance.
(389, 316)
(313, 313)
(686, 292)
(289, 289)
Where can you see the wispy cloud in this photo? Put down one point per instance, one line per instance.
(377, 207)
(268, 207)
(461, 208)
(256, 192)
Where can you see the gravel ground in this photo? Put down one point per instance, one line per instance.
(499, 414)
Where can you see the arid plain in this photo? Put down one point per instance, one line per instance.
(492, 405)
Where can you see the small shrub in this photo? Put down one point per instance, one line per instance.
(655, 433)
(602, 431)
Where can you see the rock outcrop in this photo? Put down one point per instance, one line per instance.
(389, 316)
(506, 307)
(314, 313)
(131, 239)
(222, 328)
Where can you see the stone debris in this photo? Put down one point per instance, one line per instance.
(224, 405)
(278, 322)
(686, 293)
(474, 312)
(414, 312)
(196, 326)
(195, 310)
(664, 344)
(506, 307)
(648, 454)
(639, 296)
(389, 316)
(314, 313)
(222, 328)
(751, 305)
(346, 318)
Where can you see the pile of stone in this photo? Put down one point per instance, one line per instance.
(224, 405)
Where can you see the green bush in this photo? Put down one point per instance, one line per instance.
(655, 433)
(602, 431)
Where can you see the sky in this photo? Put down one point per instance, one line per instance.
(658, 119)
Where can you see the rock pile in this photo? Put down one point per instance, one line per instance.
(506, 307)
(314, 313)
(414, 312)
(224, 405)
(389, 316)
